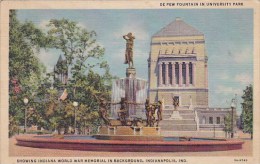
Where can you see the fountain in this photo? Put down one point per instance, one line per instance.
(125, 130)
(127, 103)
(131, 88)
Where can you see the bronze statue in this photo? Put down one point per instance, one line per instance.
(103, 111)
(152, 112)
(122, 113)
(149, 112)
(129, 49)
(175, 102)
(159, 111)
(136, 122)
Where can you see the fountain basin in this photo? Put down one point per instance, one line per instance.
(129, 137)
(92, 144)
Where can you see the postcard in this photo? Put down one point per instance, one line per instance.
(129, 82)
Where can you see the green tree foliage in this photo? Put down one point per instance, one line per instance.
(90, 77)
(89, 80)
(75, 42)
(25, 69)
(13, 125)
(25, 39)
(247, 110)
(227, 123)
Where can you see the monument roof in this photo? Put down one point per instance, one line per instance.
(178, 28)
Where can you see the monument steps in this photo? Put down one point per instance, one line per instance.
(186, 123)
(185, 127)
(184, 116)
(180, 111)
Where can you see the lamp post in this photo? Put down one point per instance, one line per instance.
(233, 106)
(75, 104)
(25, 101)
(214, 130)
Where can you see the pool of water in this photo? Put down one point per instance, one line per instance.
(71, 137)
(164, 139)
(191, 139)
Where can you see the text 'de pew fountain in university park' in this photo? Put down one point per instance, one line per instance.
(133, 124)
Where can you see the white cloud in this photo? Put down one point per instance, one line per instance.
(243, 56)
(225, 90)
(81, 25)
(244, 78)
(137, 28)
(43, 24)
(223, 75)
(231, 55)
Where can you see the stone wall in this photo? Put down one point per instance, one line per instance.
(208, 119)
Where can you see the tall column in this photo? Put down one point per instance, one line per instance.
(180, 74)
(193, 73)
(173, 74)
(166, 74)
(187, 74)
(160, 74)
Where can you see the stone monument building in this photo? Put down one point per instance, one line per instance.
(178, 70)
(178, 65)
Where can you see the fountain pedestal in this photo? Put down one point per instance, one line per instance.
(128, 133)
(130, 72)
(176, 115)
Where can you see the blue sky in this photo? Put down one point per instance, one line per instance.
(228, 34)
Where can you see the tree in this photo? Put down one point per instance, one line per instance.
(25, 69)
(90, 77)
(228, 123)
(75, 42)
(247, 110)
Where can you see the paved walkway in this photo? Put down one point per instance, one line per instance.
(15, 150)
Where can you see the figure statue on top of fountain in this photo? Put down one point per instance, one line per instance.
(129, 49)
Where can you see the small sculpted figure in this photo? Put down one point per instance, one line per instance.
(103, 114)
(123, 112)
(159, 111)
(175, 102)
(103, 111)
